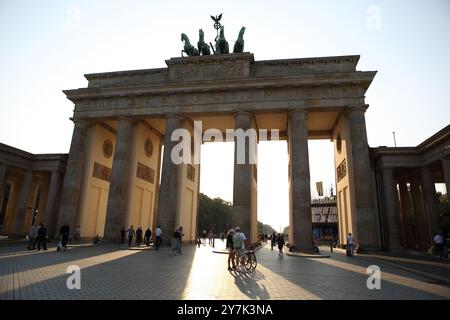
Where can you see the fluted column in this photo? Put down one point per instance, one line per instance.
(429, 192)
(446, 169)
(71, 190)
(243, 178)
(22, 205)
(170, 179)
(420, 221)
(52, 197)
(300, 221)
(2, 184)
(119, 187)
(393, 229)
(367, 224)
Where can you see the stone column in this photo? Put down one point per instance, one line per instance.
(71, 190)
(170, 179)
(406, 209)
(367, 224)
(22, 206)
(2, 183)
(393, 229)
(300, 220)
(446, 169)
(429, 192)
(52, 197)
(243, 178)
(119, 186)
(420, 221)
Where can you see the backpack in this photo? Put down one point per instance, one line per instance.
(237, 241)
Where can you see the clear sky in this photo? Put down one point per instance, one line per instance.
(47, 46)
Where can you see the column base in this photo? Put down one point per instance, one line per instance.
(301, 249)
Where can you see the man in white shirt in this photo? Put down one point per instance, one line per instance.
(158, 233)
(438, 242)
(351, 244)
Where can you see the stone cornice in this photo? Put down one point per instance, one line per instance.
(355, 78)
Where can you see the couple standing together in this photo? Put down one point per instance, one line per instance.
(236, 247)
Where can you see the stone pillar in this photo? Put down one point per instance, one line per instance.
(393, 229)
(420, 221)
(22, 206)
(243, 179)
(406, 209)
(300, 220)
(446, 169)
(71, 190)
(52, 197)
(367, 223)
(2, 183)
(119, 187)
(170, 179)
(429, 192)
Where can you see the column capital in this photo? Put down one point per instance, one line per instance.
(174, 115)
(299, 111)
(243, 113)
(125, 118)
(357, 108)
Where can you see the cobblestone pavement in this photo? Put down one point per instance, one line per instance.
(108, 272)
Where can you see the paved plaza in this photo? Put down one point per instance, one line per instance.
(108, 272)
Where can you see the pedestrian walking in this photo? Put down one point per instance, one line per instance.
(158, 233)
(178, 235)
(148, 236)
(32, 236)
(273, 240)
(350, 245)
(280, 243)
(64, 236)
(42, 237)
(131, 234)
(138, 236)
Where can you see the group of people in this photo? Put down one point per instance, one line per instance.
(277, 240)
(140, 236)
(38, 235)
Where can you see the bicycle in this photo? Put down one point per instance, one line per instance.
(248, 260)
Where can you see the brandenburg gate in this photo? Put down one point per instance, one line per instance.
(123, 119)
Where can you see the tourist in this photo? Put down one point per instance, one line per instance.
(178, 235)
(148, 236)
(204, 235)
(210, 237)
(42, 237)
(438, 244)
(64, 235)
(158, 233)
(122, 236)
(230, 248)
(131, 234)
(32, 236)
(273, 240)
(351, 244)
(280, 243)
(239, 245)
(77, 236)
(138, 236)
(199, 242)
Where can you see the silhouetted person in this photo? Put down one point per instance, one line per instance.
(138, 236)
(64, 235)
(42, 237)
(122, 236)
(148, 236)
(131, 234)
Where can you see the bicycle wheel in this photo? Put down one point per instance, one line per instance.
(247, 262)
(254, 263)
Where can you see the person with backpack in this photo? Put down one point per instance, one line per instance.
(239, 245)
(178, 234)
